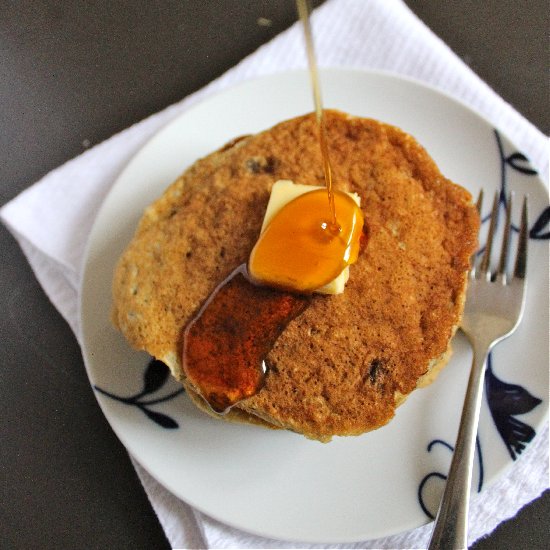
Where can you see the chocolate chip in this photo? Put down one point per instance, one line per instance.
(257, 165)
(376, 369)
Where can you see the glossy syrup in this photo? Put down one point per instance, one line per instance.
(297, 252)
(225, 345)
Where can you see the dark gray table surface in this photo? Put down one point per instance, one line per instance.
(72, 73)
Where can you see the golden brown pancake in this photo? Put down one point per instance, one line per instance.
(342, 366)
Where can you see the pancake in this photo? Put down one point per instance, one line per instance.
(345, 363)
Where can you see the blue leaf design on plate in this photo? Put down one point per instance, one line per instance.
(154, 377)
(543, 221)
(519, 162)
(420, 494)
(161, 419)
(506, 400)
(438, 475)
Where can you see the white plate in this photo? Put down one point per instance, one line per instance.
(279, 484)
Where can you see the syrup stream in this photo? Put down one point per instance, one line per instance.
(304, 10)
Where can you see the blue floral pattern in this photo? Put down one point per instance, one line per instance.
(505, 400)
(154, 377)
(437, 475)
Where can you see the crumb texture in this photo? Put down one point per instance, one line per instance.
(342, 366)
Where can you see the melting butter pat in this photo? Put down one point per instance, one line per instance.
(282, 192)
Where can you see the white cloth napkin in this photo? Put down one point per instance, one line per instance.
(52, 219)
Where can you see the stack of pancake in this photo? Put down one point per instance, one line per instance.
(345, 363)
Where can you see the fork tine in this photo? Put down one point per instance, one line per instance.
(479, 202)
(501, 273)
(486, 260)
(521, 258)
(473, 258)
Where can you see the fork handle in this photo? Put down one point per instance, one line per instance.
(451, 524)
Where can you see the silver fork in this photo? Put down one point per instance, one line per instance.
(493, 310)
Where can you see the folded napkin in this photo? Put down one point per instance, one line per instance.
(378, 34)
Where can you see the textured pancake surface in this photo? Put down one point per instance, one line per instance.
(342, 366)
